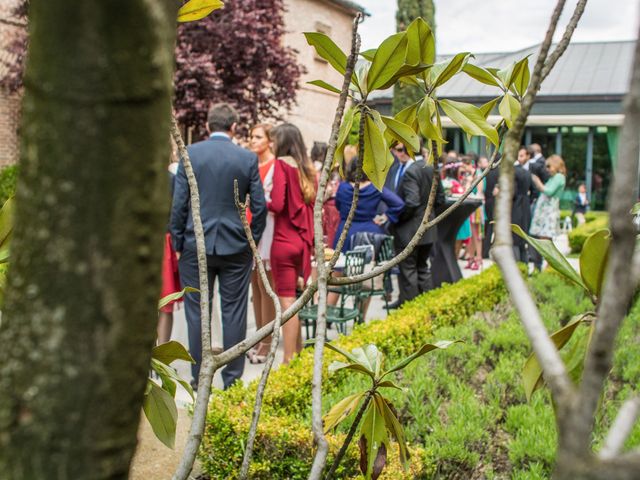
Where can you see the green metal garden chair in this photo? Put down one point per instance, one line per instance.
(385, 253)
(339, 314)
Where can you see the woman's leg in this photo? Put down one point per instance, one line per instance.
(268, 312)
(256, 301)
(291, 334)
(165, 325)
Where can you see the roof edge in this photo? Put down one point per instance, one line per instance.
(351, 6)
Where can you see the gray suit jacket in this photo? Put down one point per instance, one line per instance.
(414, 190)
(217, 162)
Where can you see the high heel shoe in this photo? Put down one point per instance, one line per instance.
(475, 265)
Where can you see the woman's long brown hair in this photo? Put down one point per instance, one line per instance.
(288, 142)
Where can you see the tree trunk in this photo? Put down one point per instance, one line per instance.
(92, 203)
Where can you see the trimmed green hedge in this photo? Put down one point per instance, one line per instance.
(284, 444)
(579, 235)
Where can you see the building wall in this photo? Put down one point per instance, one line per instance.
(316, 107)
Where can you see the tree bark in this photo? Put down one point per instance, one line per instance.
(92, 203)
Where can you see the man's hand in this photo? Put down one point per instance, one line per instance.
(178, 254)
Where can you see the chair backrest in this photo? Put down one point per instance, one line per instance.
(386, 250)
(354, 265)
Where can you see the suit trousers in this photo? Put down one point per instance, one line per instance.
(414, 277)
(233, 273)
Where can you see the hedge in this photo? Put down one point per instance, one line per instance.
(284, 444)
(578, 235)
(8, 178)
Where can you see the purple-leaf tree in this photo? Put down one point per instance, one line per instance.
(13, 64)
(235, 55)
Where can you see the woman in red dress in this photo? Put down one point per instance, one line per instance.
(292, 196)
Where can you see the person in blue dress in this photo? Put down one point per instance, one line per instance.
(366, 218)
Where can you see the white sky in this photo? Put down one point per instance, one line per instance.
(504, 25)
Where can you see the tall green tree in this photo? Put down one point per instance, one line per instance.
(79, 319)
(408, 11)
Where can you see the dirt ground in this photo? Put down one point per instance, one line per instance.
(153, 460)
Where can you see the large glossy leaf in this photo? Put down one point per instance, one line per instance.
(427, 128)
(442, 72)
(426, 348)
(488, 107)
(374, 433)
(552, 255)
(393, 425)
(593, 260)
(408, 115)
(470, 119)
(389, 58)
(369, 54)
(532, 378)
(6, 221)
(164, 301)
(574, 359)
(376, 159)
(161, 411)
(421, 47)
(481, 75)
(324, 85)
(509, 109)
(389, 384)
(343, 135)
(356, 367)
(341, 410)
(402, 133)
(170, 352)
(169, 375)
(521, 76)
(369, 357)
(339, 350)
(403, 73)
(198, 9)
(327, 49)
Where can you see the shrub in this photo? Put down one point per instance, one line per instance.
(8, 178)
(578, 235)
(283, 446)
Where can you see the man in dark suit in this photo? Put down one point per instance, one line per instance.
(536, 166)
(414, 188)
(490, 182)
(396, 172)
(217, 162)
(521, 206)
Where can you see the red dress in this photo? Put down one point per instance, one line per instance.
(293, 230)
(170, 275)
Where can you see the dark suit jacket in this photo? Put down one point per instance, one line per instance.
(414, 190)
(538, 168)
(490, 181)
(521, 207)
(216, 163)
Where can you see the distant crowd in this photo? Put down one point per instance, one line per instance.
(281, 178)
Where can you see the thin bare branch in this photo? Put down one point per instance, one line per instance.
(324, 272)
(621, 428)
(554, 369)
(619, 286)
(257, 408)
(566, 38)
(205, 379)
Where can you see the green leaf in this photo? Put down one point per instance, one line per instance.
(403, 73)
(421, 46)
(442, 72)
(574, 359)
(376, 159)
(488, 107)
(481, 75)
(521, 76)
(426, 348)
(169, 352)
(509, 108)
(390, 384)
(505, 75)
(532, 378)
(164, 301)
(343, 135)
(636, 209)
(342, 352)
(427, 128)
(6, 221)
(408, 115)
(198, 9)
(369, 54)
(170, 375)
(375, 436)
(161, 411)
(393, 425)
(341, 410)
(388, 59)
(369, 357)
(357, 367)
(593, 260)
(325, 85)
(470, 119)
(551, 254)
(402, 133)
(327, 49)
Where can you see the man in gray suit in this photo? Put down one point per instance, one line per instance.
(217, 162)
(414, 188)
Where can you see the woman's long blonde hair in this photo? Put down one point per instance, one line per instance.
(558, 164)
(288, 142)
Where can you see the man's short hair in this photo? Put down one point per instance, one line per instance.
(221, 117)
(535, 148)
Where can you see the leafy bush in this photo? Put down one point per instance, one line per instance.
(8, 178)
(578, 235)
(284, 441)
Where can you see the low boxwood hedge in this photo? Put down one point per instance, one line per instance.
(578, 235)
(284, 444)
